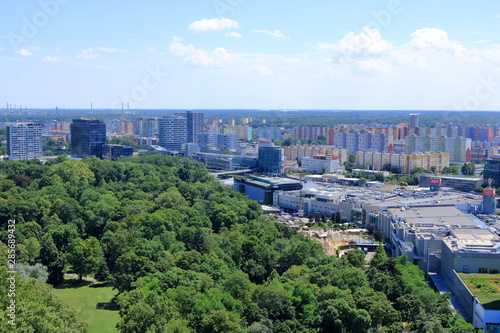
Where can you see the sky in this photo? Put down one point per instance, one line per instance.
(251, 54)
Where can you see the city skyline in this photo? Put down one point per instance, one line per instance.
(255, 55)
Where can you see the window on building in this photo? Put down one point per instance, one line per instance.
(466, 269)
(493, 270)
(483, 270)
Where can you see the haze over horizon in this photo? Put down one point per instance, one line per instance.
(331, 55)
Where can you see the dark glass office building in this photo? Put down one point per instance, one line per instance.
(492, 170)
(87, 137)
(271, 160)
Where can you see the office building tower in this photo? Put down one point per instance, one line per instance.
(24, 141)
(492, 170)
(271, 160)
(414, 120)
(194, 124)
(173, 132)
(88, 136)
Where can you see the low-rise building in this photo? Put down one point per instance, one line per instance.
(459, 183)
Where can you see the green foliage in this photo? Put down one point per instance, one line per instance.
(84, 256)
(468, 169)
(37, 309)
(186, 254)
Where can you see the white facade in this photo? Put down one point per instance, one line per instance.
(24, 141)
(320, 164)
(173, 132)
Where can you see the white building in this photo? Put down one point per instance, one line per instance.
(24, 141)
(173, 132)
(321, 164)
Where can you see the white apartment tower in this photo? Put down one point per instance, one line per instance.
(24, 141)
(173, 132)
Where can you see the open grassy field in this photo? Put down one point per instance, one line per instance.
(486, 287)
(92, 299)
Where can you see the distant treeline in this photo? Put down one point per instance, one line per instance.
(276, 118)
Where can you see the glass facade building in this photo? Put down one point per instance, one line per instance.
(271, 160)
(87, 137)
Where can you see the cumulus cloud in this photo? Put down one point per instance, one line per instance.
(200, 57)
(213, 24)
(24, 52)
(234, 34)
(51, 59)
(87, 54)
(273, 33)
(369, 41)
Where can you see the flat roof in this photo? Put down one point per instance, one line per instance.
(427, 217)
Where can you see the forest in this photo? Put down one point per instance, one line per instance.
(189, 255)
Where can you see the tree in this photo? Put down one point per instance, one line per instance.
(355, 257)
(469, 169)
(396, 169)
(362, 181)
(403, 184)
(220, 321)
(478, 189)
(387, 167)
(84, 256)
(53, 259)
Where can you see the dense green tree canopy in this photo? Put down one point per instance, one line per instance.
(189, 255)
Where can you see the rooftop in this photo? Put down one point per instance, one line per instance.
(439, 216)
(486, 287)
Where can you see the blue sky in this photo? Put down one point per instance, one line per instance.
(240, 54)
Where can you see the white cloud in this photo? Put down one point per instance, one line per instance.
(51, 59)
(111, 50)
(200, 57)
(179, 49)
(150, 49)
(273, 33)
(87, 54)
(24, 52)
(234, 34)
(213, 24)
(369, 41)
(176, 39)
(429, 38)
(497, 16)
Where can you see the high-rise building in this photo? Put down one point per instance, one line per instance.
(146, 127)
(173, 132)
(414, 120)
(194, 125)
(126, 127)
(492, 170)
(24, 141)
(88, 136)
(271, 160)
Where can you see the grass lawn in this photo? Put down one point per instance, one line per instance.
(92, 300)
(486, 287)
